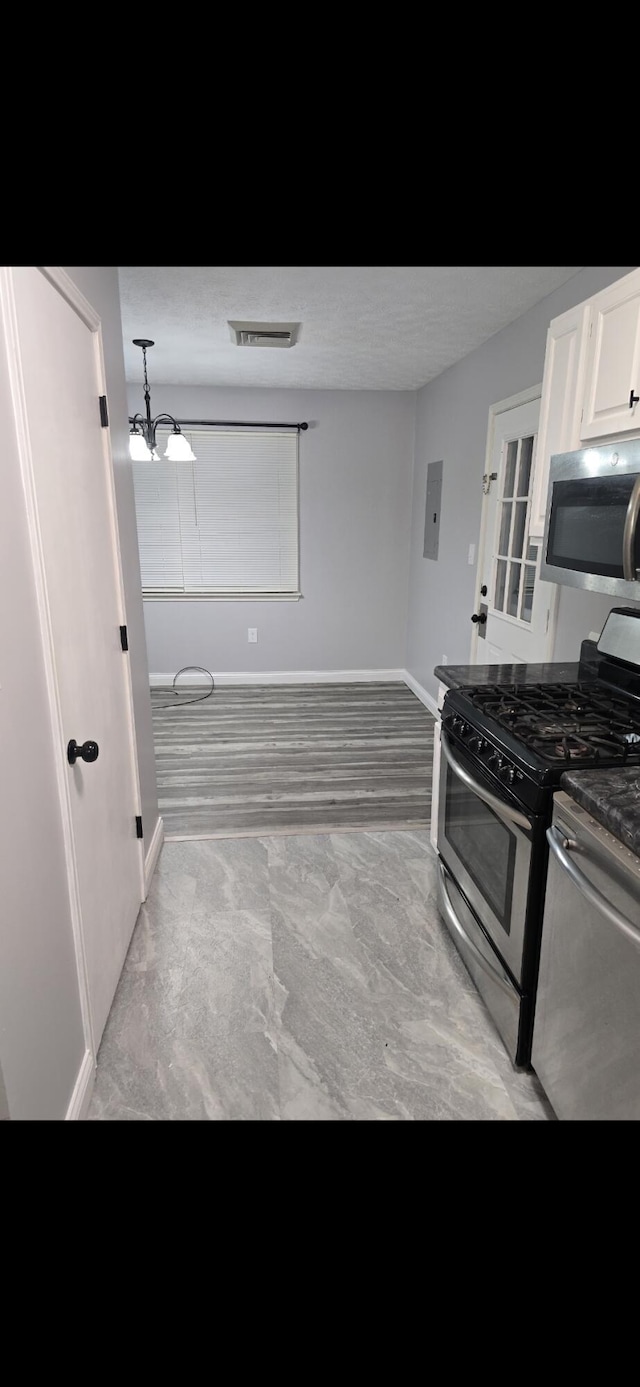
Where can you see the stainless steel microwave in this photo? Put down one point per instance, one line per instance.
(592, 529)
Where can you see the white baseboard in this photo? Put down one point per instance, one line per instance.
(152, 854)
(421, 693)
(81, 1096)
(292, 676)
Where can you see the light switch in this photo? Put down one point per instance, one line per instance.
(472, 554)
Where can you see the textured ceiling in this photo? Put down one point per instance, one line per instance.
(363, 327)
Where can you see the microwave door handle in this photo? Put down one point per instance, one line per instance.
(629, 536)
(500, 806)
(487, 967)
(560, 847)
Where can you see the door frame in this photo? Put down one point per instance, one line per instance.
(66, 287)
(525, 397)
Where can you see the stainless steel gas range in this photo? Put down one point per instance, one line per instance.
(504, 749)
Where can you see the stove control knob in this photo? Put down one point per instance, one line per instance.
(508, 774)
(495, 761)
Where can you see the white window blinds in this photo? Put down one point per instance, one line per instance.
(225, 524)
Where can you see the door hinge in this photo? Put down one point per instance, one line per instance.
(124, 639)
(104, 413)
(487, 479)
(139, 833)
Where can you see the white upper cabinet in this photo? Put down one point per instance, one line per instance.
(561, 402)
(591, 381)
(611, 404)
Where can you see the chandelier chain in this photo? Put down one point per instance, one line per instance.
(146, 382)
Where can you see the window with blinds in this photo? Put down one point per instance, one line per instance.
(225, 525)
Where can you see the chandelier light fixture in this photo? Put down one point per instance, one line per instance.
(142, 435)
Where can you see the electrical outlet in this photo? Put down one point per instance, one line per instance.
(445, 660)
(471, 557)
(252, 635)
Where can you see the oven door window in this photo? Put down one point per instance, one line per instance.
(484, 844)
(586, 525)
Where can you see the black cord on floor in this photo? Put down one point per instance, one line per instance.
(187, 701)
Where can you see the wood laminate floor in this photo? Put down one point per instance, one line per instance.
(316, 758)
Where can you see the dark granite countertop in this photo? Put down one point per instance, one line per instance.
(461, 676)
(612, 797)
(561, 672)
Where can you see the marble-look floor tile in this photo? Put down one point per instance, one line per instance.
(302, 978)
(366, 1031)
(191, 1034)
(231, 873)
(197, 1041)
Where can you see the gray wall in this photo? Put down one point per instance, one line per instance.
(4, 1106)
(41, 1037)
(100, 286)
(451, 423)
(355, 499)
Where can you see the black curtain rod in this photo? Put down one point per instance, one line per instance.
(232, 424)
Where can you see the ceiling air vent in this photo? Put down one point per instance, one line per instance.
(264, 334)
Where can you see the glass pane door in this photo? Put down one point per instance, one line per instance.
(516, 559)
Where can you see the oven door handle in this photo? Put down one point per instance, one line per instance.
(500, 806)
(498, 978)
(629, 535)
(560, 847)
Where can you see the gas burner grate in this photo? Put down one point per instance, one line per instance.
(571, 747)
(565, 722)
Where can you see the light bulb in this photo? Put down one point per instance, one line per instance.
(138, 448)
(179, 449)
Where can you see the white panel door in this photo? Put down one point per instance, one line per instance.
(60, 365)
(612, 387)
(515, 610)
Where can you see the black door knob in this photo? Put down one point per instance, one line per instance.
(479, 617)
(87, 752)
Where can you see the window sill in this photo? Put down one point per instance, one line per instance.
(221, 597)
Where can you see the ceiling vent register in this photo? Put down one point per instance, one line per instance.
(264, 334)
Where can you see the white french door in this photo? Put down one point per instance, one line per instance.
(515, 610)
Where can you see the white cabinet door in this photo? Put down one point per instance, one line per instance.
(612, 384)
(561, 402)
